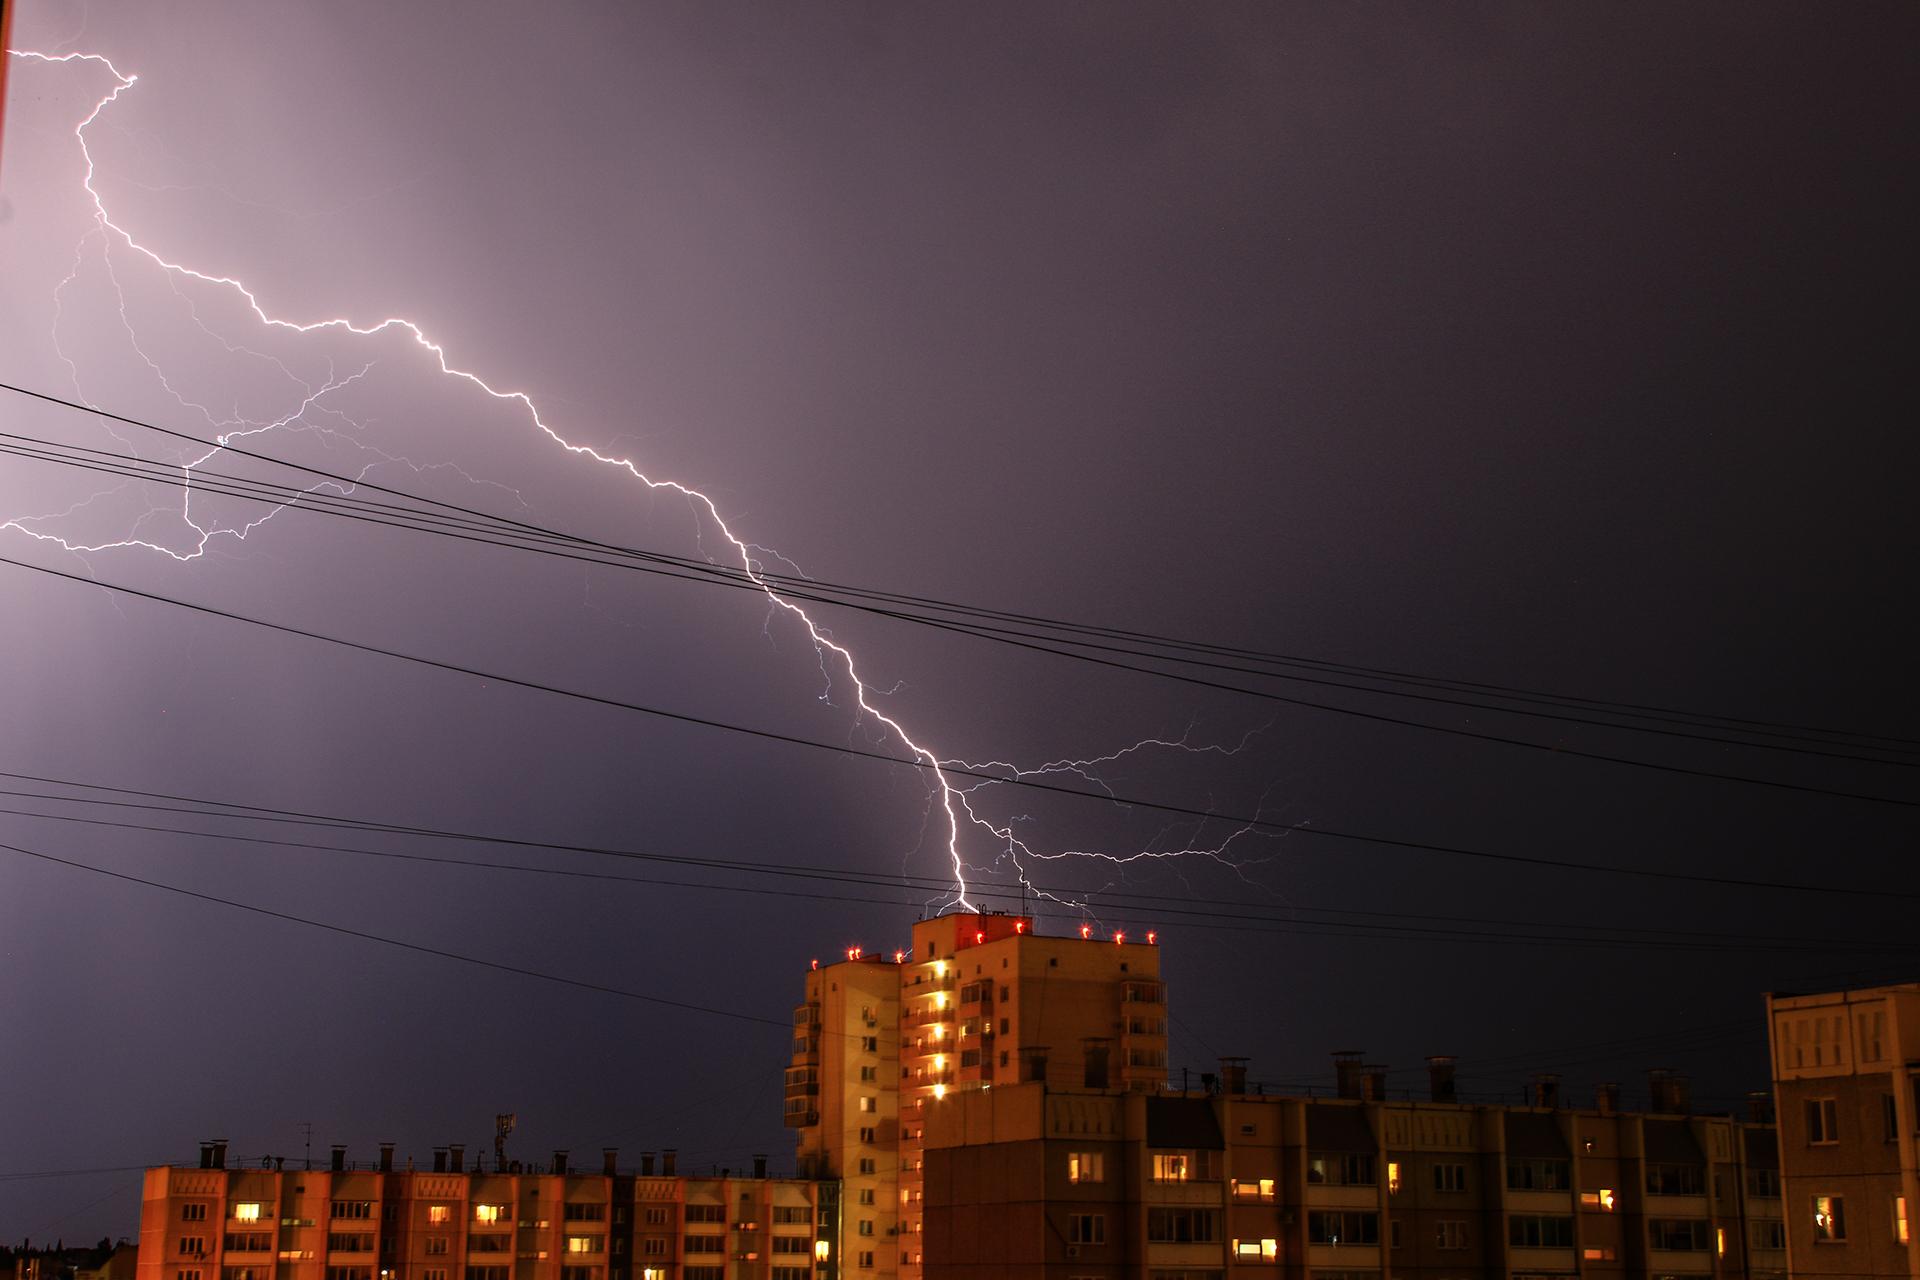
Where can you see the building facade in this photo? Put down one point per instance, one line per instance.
(1031, 1182)
(978, 1001)
(449, 1223)
(1846, 1079)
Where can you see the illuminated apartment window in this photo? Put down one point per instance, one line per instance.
(1601, 1253)
(868, 1105)
(1829, 1219)
(1246, 1248)
(1822, 1121)
(490, 1213)
(1899, 1219)
(586, 1244)
(247, 1211)
(439, 1214)
(1601, 1200)
(1086, 1166)
(1393, 1176)
(1253, 1188)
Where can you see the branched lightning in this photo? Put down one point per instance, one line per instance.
(952, 801)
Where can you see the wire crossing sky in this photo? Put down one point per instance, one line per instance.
(957, 812)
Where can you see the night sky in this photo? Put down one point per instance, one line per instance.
(1562, 349)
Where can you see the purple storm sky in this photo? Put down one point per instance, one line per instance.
(1553, 348)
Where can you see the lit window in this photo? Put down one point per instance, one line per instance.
(1393, 1175)
(1170, 1167)
(489, 1212)
(247, 1211)
(1829, 1218)
(1899, 1219)
(1601, 1200)
(867, 1104)
(439, 1213)
(1086, 1166)
(583, 1244)
(1599, 1254)
(1720, 1241)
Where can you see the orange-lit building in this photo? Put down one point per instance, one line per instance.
(449, 1223)
(1846, 1080)
(1035, 1183)
(978, 1001)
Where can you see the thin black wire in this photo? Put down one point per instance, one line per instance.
(1249, 822)
(1648, 939)
(743, 577)
(550, 543)
(418, 948)
(204, 806)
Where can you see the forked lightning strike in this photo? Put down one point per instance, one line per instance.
(953, 799)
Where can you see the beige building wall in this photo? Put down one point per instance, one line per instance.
(1846, 1073)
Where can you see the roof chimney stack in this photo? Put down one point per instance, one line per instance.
(759, 1166)
(457, 1156)
(1233, 1076)
(668, 1158)
(339, 1159)
(439, 1159)
(1440, 1078)
(1346, 1072)
(1546, 1090)
(1606, 1098)
(609, 1161)
(386, 1157)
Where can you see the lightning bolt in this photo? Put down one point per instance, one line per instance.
(953, 802)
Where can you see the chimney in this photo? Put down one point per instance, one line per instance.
(559, 1162)
(609, 1160)
(1033, 1063)
(1668, 1092)
(339, 1158)
(457, 1156)
(219, 1146)
(1233, 1076)
(1606, 1099)
(1760, 1107)
(646, 1164)
(1373, 1082)
(439, 1159)
(1440, 1078)
(386, 1157)
(1346, 1072)
(667, 1159)
(1546, 1090)
(759, 1166)
(206, 1155)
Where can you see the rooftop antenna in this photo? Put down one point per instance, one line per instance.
(502, 1126)
(306, 1128)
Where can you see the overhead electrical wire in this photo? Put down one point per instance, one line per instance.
(1288, 924)
(476, 524)
(553, 544)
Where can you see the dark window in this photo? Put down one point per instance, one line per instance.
(1674, 1235)
(1676, 1180)
(1823, 1120)
(1183, 1226)
(1537, 1175)
(1764, 1182)
(1331, 1227)
(1532, 1231)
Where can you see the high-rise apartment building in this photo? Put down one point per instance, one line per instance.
(450, 1223)
(978, 1001)
(1846, 1080)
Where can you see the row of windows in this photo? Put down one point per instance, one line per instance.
(1823, 1117)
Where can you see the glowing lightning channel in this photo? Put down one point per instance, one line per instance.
(953, 799)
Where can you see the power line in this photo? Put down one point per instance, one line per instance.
(1249, 821)
(1660, 939)
(415, 947)
(812, 589)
